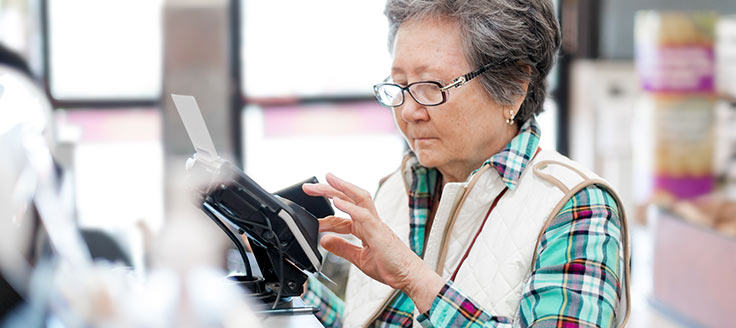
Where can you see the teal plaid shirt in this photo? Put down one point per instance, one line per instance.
(576, 280)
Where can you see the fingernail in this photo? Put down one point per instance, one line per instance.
(334, 177)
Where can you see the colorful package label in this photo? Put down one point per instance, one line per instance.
(683, 144)
(684, 187)
(676, 69)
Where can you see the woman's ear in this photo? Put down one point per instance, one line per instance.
(524, 85)
(520, 99)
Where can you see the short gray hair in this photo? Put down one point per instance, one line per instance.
(522, 33)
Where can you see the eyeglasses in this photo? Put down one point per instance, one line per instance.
(426, 93)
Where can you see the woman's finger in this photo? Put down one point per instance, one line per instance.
(335, 224)
(356, 212)
(323, 190)
(341, 248)
(354, 192)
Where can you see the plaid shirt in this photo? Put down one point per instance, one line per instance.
(575, 280)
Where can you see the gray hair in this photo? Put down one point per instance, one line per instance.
(523, 34)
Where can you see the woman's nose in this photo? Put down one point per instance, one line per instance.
(411, 111)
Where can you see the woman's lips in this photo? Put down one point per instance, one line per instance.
(424, 140)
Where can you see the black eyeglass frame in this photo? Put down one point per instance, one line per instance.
(456, 83)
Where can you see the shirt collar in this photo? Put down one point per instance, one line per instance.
(513, 159)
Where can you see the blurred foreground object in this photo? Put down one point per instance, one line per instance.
(604, 120)
(675, 61)
(690, 130)
(713, 211)
(695, 269)
(65, 288)
(726, 57)
(725, 162)
(31, 184)
(725, 146)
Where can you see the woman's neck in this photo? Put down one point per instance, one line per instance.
(456, 174)
(460, 170)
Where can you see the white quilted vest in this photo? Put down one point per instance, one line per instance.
(500, 262)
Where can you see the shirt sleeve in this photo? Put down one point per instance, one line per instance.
(575, 280)
(329, 306)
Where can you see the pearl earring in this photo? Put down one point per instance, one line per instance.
(510, 120)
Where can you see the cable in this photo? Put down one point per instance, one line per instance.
(224, 211)
(281, 269)
(263, 210)
(233, 238)
(230, 216)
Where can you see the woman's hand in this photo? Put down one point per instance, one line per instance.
(382, 256)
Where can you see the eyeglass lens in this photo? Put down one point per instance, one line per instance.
(425, 93)
(389, 94)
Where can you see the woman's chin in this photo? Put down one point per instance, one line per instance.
(427, 159)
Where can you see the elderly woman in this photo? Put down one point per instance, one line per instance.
(478, 227)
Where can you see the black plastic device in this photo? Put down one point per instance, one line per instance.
(283, 234)
(282, 228)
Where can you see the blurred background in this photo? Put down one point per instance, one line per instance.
(644, 93)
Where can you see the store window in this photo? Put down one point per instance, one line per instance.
(313, 48)
(307, 73)
(118, 174)
(104, 50)
(103, 67)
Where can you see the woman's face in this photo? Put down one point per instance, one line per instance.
(459, 135)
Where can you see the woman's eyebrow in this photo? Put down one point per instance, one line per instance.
(417, 70)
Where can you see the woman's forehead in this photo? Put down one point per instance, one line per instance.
(428, 45)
